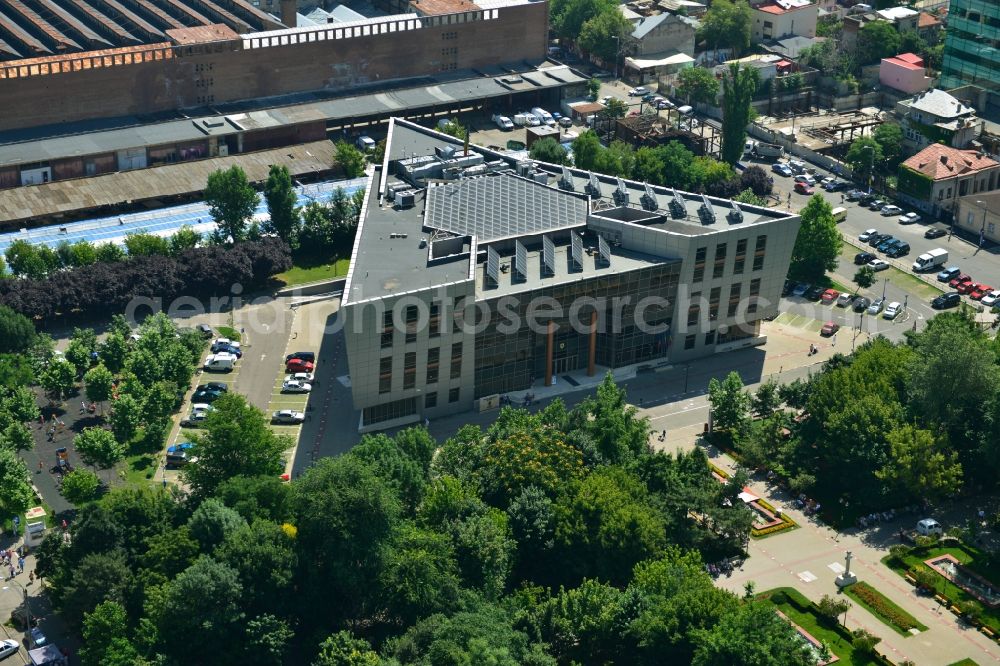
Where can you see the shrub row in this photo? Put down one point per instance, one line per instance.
(883, 607)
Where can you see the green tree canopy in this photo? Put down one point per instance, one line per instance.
(232, 202)
(877, 40)
(586, 148)
(283, 216)
(864, 156)
(17, 333)
(350, 159)
(454, 128)
(818, 243)
(730, 403)
(548, 150)
(698, 84)
(726, 24)
(922, 465)
(98, 383)
(864, 277)
(738, 88)
(16, 494)
(58, 379)
(597, 36)
(99, 447)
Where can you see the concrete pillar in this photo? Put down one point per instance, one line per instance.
(592, 357)
(549, 343)
(288, 13)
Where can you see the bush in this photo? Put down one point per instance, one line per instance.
(80, 486)
(864, 642)
(898, 552)
(926, 579)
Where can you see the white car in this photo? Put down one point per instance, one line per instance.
(892, 310)
(806, 178)
(288, 416)
(991, 299)
(827, 181)
(531, 119)
(909, 218)
(638, 92)
(295, 386)
(300, 377)
(606, 99)
(878, 265)
(7, 648)
(876, 306)
(566, 121)
(845, 299)
(225, 342)
(890, 210)
(867, 234)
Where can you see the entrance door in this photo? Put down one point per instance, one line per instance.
(563, 365)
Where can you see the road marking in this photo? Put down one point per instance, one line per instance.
(836, 567)
(807, 576)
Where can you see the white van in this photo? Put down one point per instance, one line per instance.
(684, 110)
(543, 116)
(839, 214)
(221, 362)
(929, 527)
(366, 143)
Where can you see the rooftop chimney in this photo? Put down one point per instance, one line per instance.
(288, 11)
(944, 159)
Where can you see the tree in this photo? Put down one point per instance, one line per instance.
(126, 417)
(752, 634)
(727, 24)
(831, 608)
(185, 238)
(586, 148)
(766, 399)
(350, 159)
(25, 260)
(17, 333)
(98, 383)
(817, 246)
(146, 245)
(615, 108)
(267, 637)
(343, 649)
(105, 637)
(16, 494)
(548, 150)
(864, 156)
(616, 160)
(889, 137)
(110, 253)
(757, 180)
(419, 576)
(17, 437)
(698, 85)
(212, 522)
(730, 404)
(921, 464)
(648, 166)
(569, 16)
(877, 40)
(864, 277)
(99, 447)
(598, 35)
(112, 351)
(283, 216)
(454, 128)
(58, 379)
(593, 88)
(236, 440)
(16, 370)
(232, 202)
(19, 403)
(738, 88)
(80, 486)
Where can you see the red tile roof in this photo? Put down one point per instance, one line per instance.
(911, 58)
(899, 62)
(941, 162)
(925, 20)
(771, 9)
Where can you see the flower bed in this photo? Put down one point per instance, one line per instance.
(883, 608)
(774, 523)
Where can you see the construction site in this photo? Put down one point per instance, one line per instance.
(825, 132)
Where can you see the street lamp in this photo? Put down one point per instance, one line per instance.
(982, 229)
(618, 48)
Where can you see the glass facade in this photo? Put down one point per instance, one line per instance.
(972, 45)
(510, 357)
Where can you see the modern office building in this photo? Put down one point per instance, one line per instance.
(972, 45)
(474, 275)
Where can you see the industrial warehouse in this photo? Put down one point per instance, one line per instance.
(474, 275)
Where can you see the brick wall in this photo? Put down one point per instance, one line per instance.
(230, 71)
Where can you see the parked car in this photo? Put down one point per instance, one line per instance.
(302, 356)
(876, 306)
(288, 416)
(8, 647)
(878, 265)
(934, 232)
(814, 293)
(800, 289)
(829, 296)
(178, 455)
(300, 377)
(898, 248)
(222, 387)
(892, 310)
(781, 169)
(875, 239)
(961, 278)
(205, 330)
(829, 328)
(229, 349)
(295, 386)
(867, 234)
(224, 342)
(949, 273)
(883, 244)
(836, 186)
(664, 104)
(845, 299)
(566, 121)
(866, 198)
(979, 291)
(638, 92)
(806, 178)
(887, 211)
(965, 287)
(877, 204)
(991, 299)
(854, 195)
(862, 258)
(206, 396)
(298, 365)
(949, 300)
(861, 303)
(803, 188)
(38, 637)
(909, 218)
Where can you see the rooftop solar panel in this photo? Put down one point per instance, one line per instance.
(576, 251)
(736, 214)
(603, 252)
(621, 193)
(594, 186)
(548, 256)
(706, 211)
(566, 182)
(649, 201)
(520, 261)
(492, 267)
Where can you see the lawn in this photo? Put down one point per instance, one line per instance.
(229, 333)
(883, 608)
(971, 557)
(799, 610)
(964, 662)
(906, 281)
(305, 274)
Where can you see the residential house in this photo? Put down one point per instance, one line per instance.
(791, 47)
(929, 28)
(780, 18)
(936, 178)
(685, 7)
(659, 47)
(936, 116)
(905, 73)
(902, 18)
(980, 214)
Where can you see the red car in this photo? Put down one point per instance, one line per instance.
(298, 365)
(829, 328)
(959, 280)
(803, 188)
(829, 296)
(966, 287)
(979, 291)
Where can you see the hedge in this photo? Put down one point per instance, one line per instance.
(880, 605)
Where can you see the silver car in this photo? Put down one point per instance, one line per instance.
(288, 416)
(876, 306)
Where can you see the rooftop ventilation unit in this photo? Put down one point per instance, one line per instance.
(621, 193)
(520, 261)
(445, 152)
(736, 214)
(405, 199)
(492, 268)
(548, 256)
(524, 168)
(603, 252)
(705, 211)
(566, 182)
(649, 201)
(594, 186)
(678, 206)
(576, 251)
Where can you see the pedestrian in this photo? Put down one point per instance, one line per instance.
(41, 466)
(12, 573)
(31, 577)
(20, 565)
(427, 422)
(83, 406)
(834, 339)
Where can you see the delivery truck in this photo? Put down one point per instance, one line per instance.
(930, 261)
